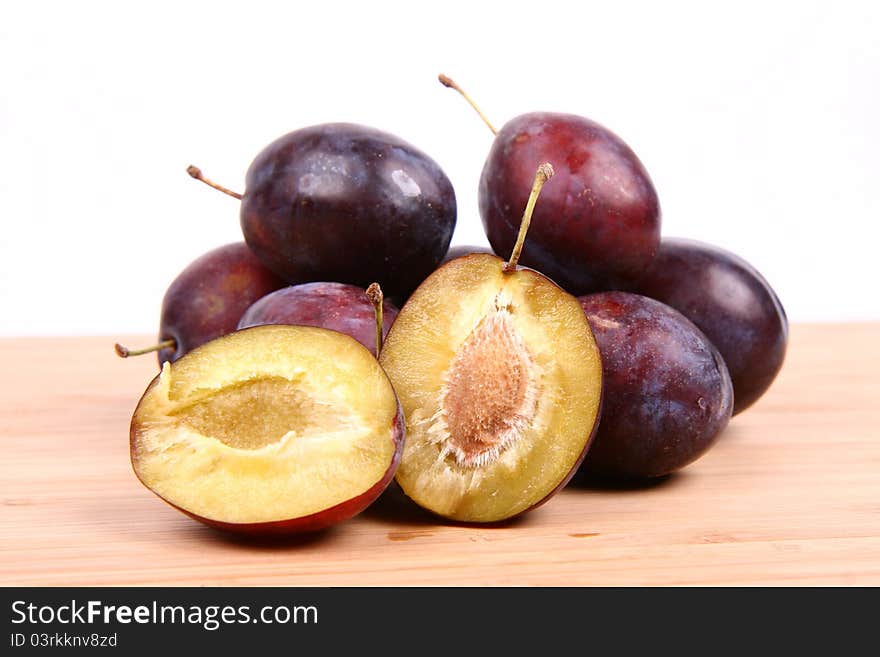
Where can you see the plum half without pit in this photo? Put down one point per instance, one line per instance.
(269, 430)
(500, 381)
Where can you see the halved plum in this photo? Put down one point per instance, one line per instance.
(271, 429)
(500, 381)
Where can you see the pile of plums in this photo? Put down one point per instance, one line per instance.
(291, 393)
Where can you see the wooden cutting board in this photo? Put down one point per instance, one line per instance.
(789, 496)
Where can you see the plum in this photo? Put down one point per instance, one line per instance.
(336, 306)
(668, 394)
(731, 303)
(347, 203)
(598, 227)
(269, 430)
(500, 381)
(207, 299)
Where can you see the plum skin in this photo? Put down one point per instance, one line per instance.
(207, 299)
(336, 306)
(668, 394)
(348, 203)
(597, 225)
(731, 303)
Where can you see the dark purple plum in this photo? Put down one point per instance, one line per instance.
(597, 226)
(336, 306)
(207, 299)
(668, 395)
(731, 303)
(348, 203)
(465, 249)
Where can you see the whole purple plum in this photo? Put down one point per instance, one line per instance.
(348, 203)
(731, 303)
(597, 226)
(336, 306)
(207, 299)
(668, 395)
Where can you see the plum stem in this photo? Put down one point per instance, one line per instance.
(447, 81)
(544, 173)
(196, 173)
(125, 352)
(374, 294)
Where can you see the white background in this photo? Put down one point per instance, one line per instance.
(758, 123)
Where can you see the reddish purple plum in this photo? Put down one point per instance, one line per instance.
(731, 303)
(597, 226)
(668, 394)
(336, 306)
(207, 299)
(348, 203)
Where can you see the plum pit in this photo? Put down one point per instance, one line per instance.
(490, 395)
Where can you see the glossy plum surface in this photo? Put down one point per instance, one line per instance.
(598, 222)
(731, 303)
(208, 297)
(342, 202)
(336, 306)
(668, 395)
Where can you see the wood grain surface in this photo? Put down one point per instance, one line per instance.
(789, 496)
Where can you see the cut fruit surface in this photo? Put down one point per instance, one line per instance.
(270, 428)
(500, 381)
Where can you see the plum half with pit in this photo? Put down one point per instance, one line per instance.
(348, 203)
(336, 306)
(668, 394)
(500, 381)
(269, 430)
(729, 300)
